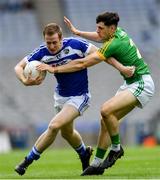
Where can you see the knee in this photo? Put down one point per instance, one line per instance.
(105, 111)
(53, 127)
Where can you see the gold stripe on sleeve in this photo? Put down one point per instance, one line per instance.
(105, 46)
(102, 57)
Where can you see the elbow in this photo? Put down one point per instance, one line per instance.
(15, 68)
(109, 62)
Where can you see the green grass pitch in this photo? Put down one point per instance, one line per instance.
(137, 163)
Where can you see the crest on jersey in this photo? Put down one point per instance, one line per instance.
(66, 51)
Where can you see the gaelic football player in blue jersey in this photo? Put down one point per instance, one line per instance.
(71, 95)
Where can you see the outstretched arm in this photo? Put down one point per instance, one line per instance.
(73, 66)
(93, 36)
(88, 61)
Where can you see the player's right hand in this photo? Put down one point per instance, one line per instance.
(31, 82)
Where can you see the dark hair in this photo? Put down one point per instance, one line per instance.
(108, 18)
(51, 29)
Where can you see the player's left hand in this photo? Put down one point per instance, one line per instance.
(45, 67)
(129, 71)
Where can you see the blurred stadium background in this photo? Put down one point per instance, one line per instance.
(26, 111)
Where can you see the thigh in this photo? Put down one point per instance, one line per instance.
(81, 103)
(65, 116)
(67, 128)
(121, 104)
(121, 113)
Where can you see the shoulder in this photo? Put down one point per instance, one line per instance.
(120, 34)
(73, 40)
(41, 48)
(109, 47)
(108, 44)
(76, 44)
(38, 52)
(119, 38)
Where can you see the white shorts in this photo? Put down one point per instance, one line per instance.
(143, 89)
(81, 103)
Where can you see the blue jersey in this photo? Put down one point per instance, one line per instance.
(68, 84)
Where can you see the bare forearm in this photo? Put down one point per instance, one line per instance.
(113, 62)
(127, 71)
(87, 35)
(93, 36)
(19, 73)
(79, 64)
(70, 67)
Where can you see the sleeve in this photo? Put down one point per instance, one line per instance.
(107, 50)
(83, 45)
(35, 55)
(101, 56)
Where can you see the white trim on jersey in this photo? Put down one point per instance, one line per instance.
(62, 55)
(88, 49)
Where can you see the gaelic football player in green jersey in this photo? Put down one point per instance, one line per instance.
(136, 90)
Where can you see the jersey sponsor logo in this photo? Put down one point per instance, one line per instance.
(54, 61)
(58, 56)
(47, 59)
(63, 62)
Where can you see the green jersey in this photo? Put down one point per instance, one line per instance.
(125, 51)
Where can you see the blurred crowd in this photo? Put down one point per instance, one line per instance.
(15, 5)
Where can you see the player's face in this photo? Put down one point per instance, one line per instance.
(53, 43)
(105, 32)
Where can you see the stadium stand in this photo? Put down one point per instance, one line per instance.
(19, 30)
(141, 19)
(22, 107)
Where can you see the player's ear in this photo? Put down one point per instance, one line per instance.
(112, 27)
(60, 38)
